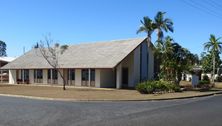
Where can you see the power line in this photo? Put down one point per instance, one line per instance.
(204, 5)
(216, 3)
(213, 4)
(198, 6)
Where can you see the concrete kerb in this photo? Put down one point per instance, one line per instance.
(108, 100)
(67, 86)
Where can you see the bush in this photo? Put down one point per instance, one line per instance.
(206, 78)
(202, 82)
(150, 87)
(204, 85)
(219, 79)
(142, 88)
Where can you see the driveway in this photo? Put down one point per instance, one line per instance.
(205, 111)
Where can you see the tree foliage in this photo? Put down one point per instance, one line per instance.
(3, 49)
(162, 24)
(213, 46)
(175, 60)
(207, 63)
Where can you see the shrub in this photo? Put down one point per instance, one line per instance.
(149, 87)
(204, 85)
(177, 89)
(219, 79)
(206, 78)
(141, 88)
(202, 82)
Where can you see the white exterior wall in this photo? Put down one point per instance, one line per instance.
(12, 77)
(119, 76)
(188, 76)
(31, 76)
(65, 75)
(45, 76)
(60, 80)
(128, 62)
(78, 77)
(97, 78)
(19, 74)
(209, 75)
(136, 65)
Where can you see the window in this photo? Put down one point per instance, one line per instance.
(49, 73)
(71, 74)
(25, 74)
(85, 74)
(38, 74)
(54, 74)
(92, 74)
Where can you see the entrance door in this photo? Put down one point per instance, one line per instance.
(125, 77)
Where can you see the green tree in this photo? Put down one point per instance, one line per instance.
(213, 46)
(176, 60)
(147, 27)
(206, 61)
(3, 49)
(184, 61)
(162, 24)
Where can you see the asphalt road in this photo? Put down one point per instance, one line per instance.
(205, 111)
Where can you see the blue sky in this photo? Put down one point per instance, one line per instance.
(25, 22)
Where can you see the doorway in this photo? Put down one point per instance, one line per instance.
(125, 74)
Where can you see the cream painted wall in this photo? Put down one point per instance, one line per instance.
(60, 80)
(31, 76)
(119, 76)
(65, 74)
(97, 78)
(45, 76)
(19, 74)
(128, 62)
(136, 65)
(12, 77)
(78, 77)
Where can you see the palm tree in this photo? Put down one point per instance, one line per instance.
(147, 27)
(162, 24)
(214, 46)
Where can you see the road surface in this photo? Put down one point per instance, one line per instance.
(205, 111)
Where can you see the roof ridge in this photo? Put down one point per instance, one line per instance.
(104, 41)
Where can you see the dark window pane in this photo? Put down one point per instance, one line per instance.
(38, 74)
(49, 73)
(92, 74)
(54, 74)
(85, 74)
(71, 74)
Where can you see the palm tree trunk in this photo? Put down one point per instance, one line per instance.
(148, 40)
(213, 68)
